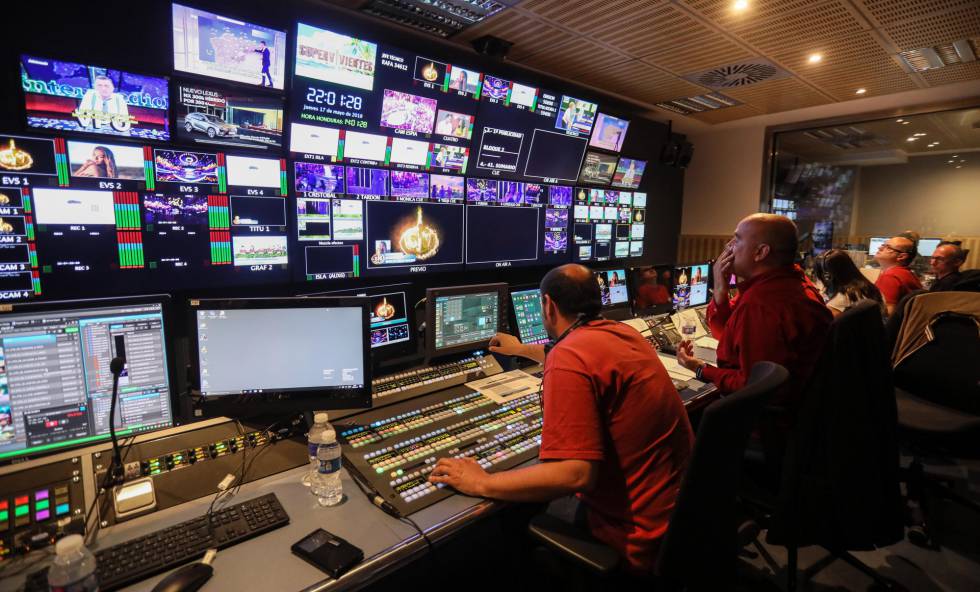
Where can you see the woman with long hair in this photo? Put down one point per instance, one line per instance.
(844, 284)
(102, 165)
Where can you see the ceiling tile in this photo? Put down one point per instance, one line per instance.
(707, 51)
(722, 13)
(727, 114)
(528, 34)
(778, 95)
(887, 12)
(658, 29)
(953, 73)
(586, 16)
(574, 59)
(945, 27)
(803, 30)
(643, 82)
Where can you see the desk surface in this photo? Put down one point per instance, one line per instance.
(266, 562)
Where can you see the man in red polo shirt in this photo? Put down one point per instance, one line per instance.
(778, 316)
(896, 280)
(615, 430)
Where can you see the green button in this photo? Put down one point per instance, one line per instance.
(41, 505)
(4, 515)
(21, 511)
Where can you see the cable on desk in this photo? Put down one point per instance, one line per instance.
(385, 506)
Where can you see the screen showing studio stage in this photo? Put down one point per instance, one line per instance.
(530, 319)
(691, 288)
(66, 96)
(389, 319)
(279, 349)
(612, 287)
(465, 318)
(55, 382)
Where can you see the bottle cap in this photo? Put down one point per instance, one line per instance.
(321, 417)
(70, 544)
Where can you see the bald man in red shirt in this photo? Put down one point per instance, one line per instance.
(896, 279)
(615, 431)
(778, 316)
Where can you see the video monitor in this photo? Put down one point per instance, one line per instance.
(530, 319)
(360, 148)
(609, 133)
(413, 237)
(409, 184)
(365, 181)
(213, 45)
(576, 116)
(464, 82)
(413, 153)
(691, 285)
(501, 236)
(318, 178)
(389, 319)
(72, 97)
(874, 243)
(176, 166)
(269, 355)
(524, 96)
(408, 112)
(639, 199)
(217, 117)
(463, 319)
(651, 287)
(629, 173)
(55, 378)
(449, 159)
(554, 156)
(336, 58)
(447, 187)
(597, 168)
(23, 155)
(482, 190)
(927, 246)
(613, 288)
(177, 232)
(314, 142)
(500, 149)
(101, 160)
(247, 171)
(457, 125)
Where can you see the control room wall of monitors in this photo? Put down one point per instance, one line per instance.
(299, 151)
(55, 382)
(251, 356)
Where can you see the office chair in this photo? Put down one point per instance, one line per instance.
(938, 395)
(699, 550)
(840, 479)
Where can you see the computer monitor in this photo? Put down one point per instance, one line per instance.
(651, 287)
(691, 285)
(613, 288)
(528, 315)
(927, 246)
(55, 382)
(463, 318)
(874, 243)
(255, 356)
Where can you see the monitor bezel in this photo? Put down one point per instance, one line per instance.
(430, 317)
(74, 305)
(274, 402)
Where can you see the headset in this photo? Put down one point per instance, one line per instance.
(582, 319)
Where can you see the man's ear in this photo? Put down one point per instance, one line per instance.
(762, 251)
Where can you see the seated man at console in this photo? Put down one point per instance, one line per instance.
(896, 279)
(615, 430)
(778, 316)
(946, 261)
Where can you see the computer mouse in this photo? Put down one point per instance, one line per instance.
(186, 579)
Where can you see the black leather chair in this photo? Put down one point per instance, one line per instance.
(938, 395)
(699, 550)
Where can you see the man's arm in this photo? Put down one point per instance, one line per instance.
(508, 345)
(541, 482)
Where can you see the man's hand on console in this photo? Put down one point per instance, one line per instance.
(464, 475)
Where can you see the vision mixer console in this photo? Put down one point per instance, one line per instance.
(397, 446)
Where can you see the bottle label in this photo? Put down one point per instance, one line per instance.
(329, 466)
(312, 446)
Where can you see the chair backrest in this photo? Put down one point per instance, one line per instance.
(946, 369)
(700, 547)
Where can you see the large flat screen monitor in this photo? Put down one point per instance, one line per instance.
(463, 318)
(874, 243)
(268, 355)
(55, 382)
(529, 317)
(926, 246)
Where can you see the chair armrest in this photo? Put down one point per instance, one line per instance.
(573, 543)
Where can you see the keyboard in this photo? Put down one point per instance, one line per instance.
(429, 379)
(137, 559)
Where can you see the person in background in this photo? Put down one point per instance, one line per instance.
(779, 316)
(615, 431)
(946, 261)
(844, 284)
(896, 280)
(102, 165)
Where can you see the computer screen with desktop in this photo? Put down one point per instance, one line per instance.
(462, 318)
(529, 317)
(263, 355)
(55, 381)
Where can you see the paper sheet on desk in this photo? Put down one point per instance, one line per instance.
(502, 388)
(706, 342)
(638, 324)
(675, 370)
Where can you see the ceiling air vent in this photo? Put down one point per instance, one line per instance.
(940, 56)
(436, 17)
(738, 74)
(699, 104)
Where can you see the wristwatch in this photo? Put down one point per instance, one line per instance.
(699, 371)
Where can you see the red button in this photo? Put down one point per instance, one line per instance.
(20, 501)
(3, 504)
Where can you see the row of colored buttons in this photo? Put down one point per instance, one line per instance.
(402, 416)
(42, 507)
(417, 421)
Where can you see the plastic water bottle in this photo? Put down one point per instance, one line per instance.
(320, 423)
(326, 484)
(73, 569)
